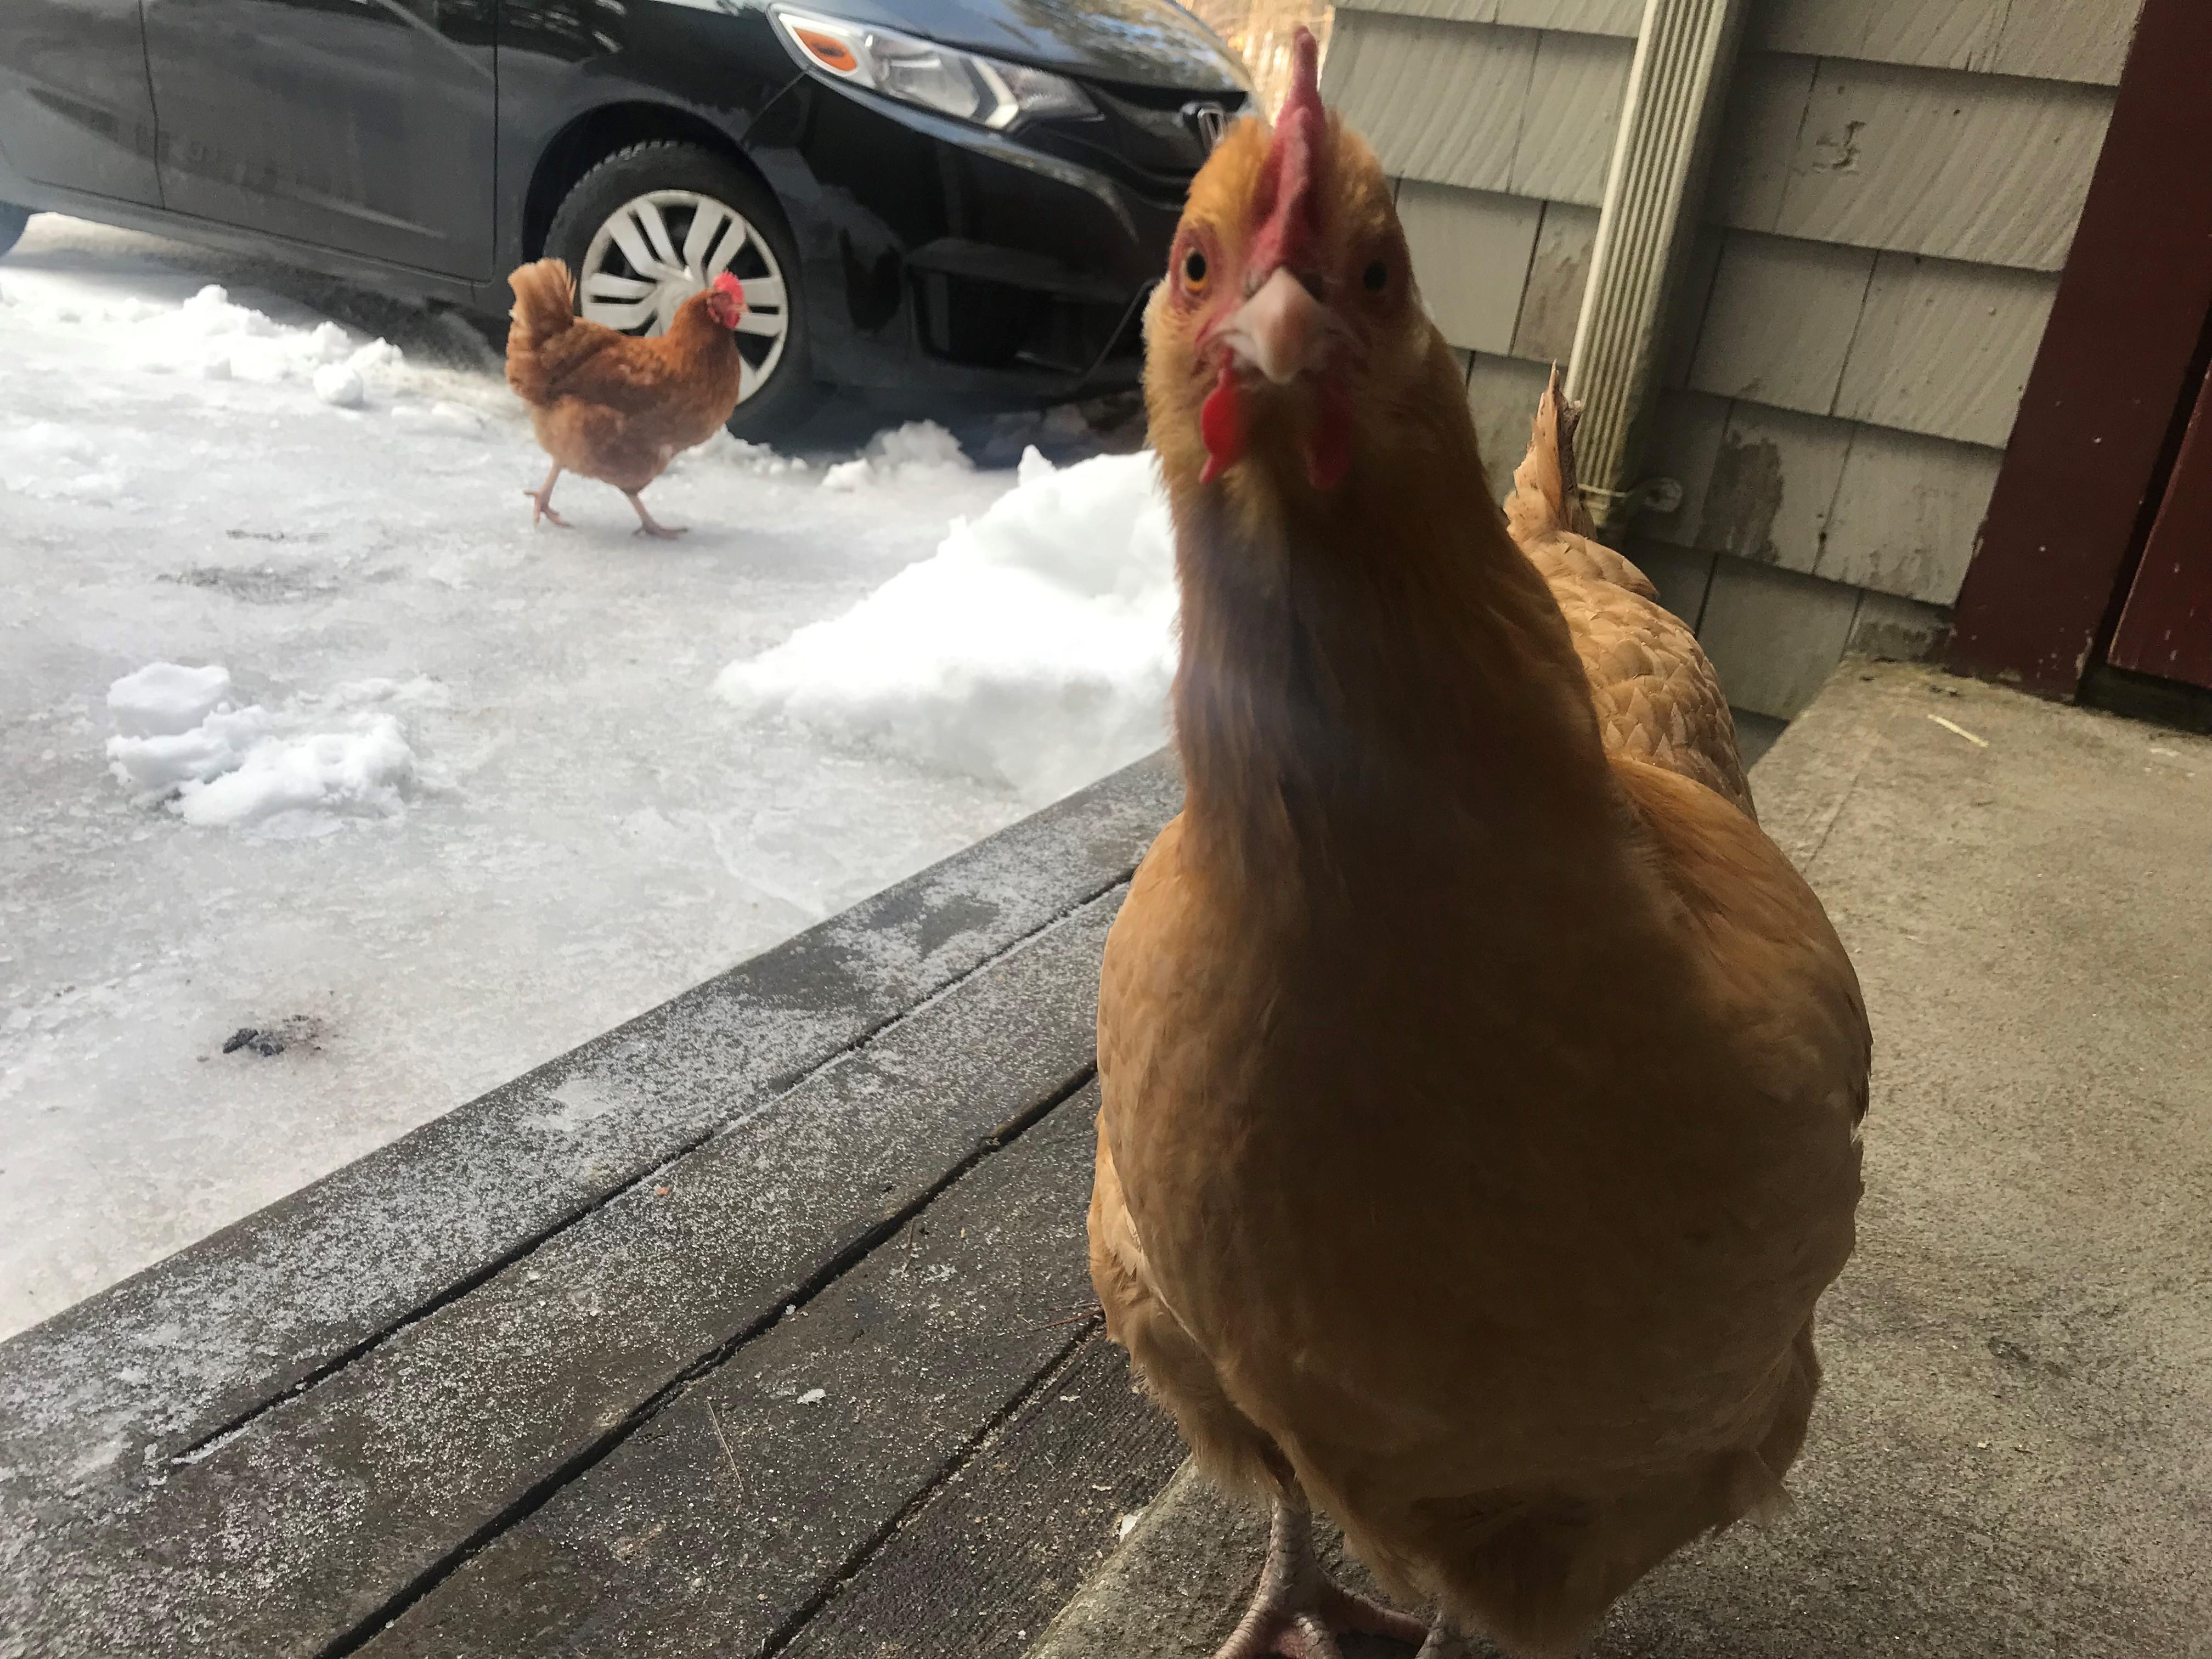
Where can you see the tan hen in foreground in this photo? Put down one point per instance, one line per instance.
(1481, 1087)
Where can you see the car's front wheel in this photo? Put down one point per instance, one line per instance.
(652, 225)
(12, 220)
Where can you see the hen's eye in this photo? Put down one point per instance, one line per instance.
(1193, 270)
(1375, 276)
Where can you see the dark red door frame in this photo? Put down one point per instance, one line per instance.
(2096, 426)
(2165, 628)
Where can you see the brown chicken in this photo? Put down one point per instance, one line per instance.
(1480, 1098)
(611, 406)
(1658, 696)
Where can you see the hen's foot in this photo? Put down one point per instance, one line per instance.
(538, 510)
(645, 524)
(1297, 1613)
(541, 501)
(1446, 1642)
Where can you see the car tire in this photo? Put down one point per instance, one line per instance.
(611, 214)
(12, 220)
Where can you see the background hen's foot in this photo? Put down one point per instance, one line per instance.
(647, 525)
(1297, 1613)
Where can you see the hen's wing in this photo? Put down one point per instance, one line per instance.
(1656, 695)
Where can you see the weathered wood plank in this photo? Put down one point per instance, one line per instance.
(1616, 17)
(1558, 273)
(1963, 167)
(981, 1571)
(2066, 40)
(1772, 487)
(1959, 34)
(1891, 629)
(1945, 349)
(320, 1514)
(1440, 101)
(1620, 18)
(1906, 514)
(2083, 41)
(1765, 112)
(1686, 434)
(1774, 635)
(1779, 324)
(1572, 116)
(722, 1524)
(99, 1398)
(1471, 252)
(1693, 294)
(1455, 11)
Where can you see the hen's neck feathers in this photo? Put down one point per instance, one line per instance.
(1375, 678)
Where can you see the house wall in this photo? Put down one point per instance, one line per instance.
(1896, 186)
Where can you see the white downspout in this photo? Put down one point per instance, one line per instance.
(1677, 87)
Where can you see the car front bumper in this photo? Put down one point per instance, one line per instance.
(944, 260)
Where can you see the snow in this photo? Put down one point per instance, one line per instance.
(183, 745)
(1032, 650)
(304, 729)
(908, 455)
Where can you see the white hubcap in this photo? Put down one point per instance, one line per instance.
(657, 250)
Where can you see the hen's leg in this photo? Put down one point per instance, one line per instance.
(646, 526)
(541, 501)
(1446, 1642)
(1296, 1612)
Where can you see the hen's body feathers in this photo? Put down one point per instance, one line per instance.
(1480, 1084)
(1655, 694)
(607, 404)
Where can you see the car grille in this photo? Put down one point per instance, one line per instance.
(1148, 137)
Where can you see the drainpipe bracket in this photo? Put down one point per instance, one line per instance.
(1616, 506)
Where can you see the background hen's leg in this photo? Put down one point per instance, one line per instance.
(1297, 1612)
(541, 501)
(646, 526)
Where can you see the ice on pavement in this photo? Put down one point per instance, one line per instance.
(1034, 649)
(589, 828)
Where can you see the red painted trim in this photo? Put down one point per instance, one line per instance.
(2095, 423)
(2166, 629)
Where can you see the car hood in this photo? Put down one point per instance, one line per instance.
(1148, 43)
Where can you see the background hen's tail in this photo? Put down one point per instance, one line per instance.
(1544, 497)
(544, 307)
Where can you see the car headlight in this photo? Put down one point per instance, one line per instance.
(964, 84)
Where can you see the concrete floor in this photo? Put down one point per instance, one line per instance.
(2014, 1452)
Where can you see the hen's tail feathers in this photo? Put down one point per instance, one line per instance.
(1544, 498)
(544, 306)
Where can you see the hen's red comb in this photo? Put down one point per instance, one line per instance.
(730, 285)
(1285, 197)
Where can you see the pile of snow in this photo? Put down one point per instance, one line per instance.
(211, 336)
(181, 740)
(1034, 649)
(913, 453)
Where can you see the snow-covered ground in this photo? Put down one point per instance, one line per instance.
(304, 730)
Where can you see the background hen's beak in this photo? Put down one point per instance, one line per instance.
(1282, 330)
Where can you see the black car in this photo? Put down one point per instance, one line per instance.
(965, 199)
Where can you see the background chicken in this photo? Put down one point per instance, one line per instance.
(611, 406)
(1481, 1097)
(1656, 695)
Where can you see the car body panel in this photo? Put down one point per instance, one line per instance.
(421, 146)
(366, 126)
(75, 112)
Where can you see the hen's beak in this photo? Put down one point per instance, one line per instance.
(1282, 330)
